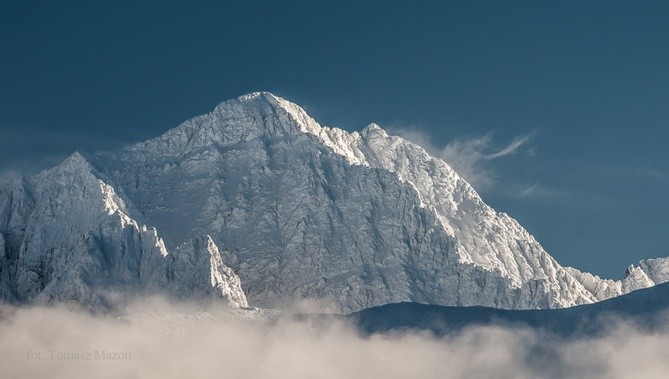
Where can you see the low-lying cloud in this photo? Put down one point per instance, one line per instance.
(158, 340)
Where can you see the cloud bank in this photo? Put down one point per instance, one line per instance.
(158, 340)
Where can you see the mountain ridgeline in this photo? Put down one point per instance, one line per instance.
(256, 204)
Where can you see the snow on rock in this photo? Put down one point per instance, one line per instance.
(656, 269)
(299, 211)
(196, 270)
(600, 288)
(72, 238)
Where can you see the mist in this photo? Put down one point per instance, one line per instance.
(156, 339)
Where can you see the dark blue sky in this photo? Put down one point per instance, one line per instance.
(582, 87)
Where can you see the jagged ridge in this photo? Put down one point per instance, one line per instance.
(71, 237)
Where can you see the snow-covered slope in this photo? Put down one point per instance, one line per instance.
(299, 212)
(69, 236)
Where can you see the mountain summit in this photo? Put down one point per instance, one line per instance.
(256, 203)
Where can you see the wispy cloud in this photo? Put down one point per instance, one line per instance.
(472, 157)
(511, 148)
(644, 173)
(538, 190)
(529, 190)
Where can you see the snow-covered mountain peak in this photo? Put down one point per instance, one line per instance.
(372, 128)
(297, 210)
(253, 117)
(254, 96)
(268, 106)
(75, 173)
(74, 163)
(258, 102)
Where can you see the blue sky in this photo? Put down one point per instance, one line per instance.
(557, 111)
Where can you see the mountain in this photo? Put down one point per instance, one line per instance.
(646, 308)
(256, 195)
(67, 235)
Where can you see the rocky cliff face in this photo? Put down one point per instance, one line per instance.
(69, 236)
(297, 210)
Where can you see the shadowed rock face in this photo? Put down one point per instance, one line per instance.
(298, 211)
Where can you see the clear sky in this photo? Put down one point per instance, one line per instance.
(558, 112)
